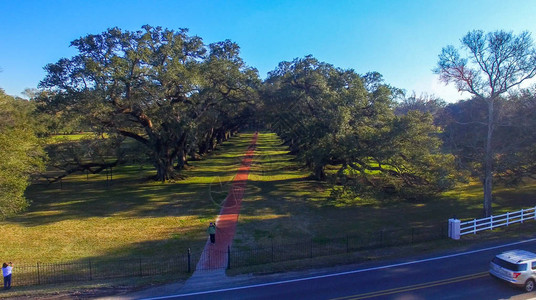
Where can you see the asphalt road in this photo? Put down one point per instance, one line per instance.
(461, 275)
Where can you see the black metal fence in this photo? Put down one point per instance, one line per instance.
(49, 273)
(317, 247)
(268, 252)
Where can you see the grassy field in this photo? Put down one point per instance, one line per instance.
(92, 217)
(282, 203)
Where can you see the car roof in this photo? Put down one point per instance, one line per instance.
(517, 256)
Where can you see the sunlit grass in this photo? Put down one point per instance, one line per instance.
(124, 215)
(58, 138)
(282, 203)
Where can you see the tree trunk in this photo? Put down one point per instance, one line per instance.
(206, 144)
(163, 161)
(164, 168)
(488, 162)
(180, 153)
(212, 142)
(181, 160)
(220, 136)
(320, 173)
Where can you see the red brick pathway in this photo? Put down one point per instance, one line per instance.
(215, 255)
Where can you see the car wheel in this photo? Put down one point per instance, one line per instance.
(529, 285)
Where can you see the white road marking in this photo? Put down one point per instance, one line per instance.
(342, 273)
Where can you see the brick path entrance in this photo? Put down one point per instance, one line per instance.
(215, 255)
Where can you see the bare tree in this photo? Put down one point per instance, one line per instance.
(493, 64)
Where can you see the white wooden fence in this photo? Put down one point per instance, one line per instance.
(458, 228)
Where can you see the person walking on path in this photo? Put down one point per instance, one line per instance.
(216, 255)
(212, 232)
(6, 271)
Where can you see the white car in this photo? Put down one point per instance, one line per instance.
(517, 267)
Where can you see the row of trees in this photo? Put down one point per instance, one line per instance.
(167, 96)
(329, 116)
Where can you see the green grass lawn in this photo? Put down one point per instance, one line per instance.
(283, 204)
(59, 138)
(88, 217)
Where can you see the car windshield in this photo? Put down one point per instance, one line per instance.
(508, 265)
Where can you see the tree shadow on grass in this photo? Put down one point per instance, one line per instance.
(150, 200)
(143, 259)
(299, 207)
(127, 193)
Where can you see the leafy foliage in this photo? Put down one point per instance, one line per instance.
(162, 88)
(20, 153)
(329, 116)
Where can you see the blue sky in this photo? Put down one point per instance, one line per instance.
(399, 39)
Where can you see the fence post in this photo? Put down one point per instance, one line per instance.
(454, 229)
(521, 215)
(189, 260)
(381, 237)
(38, 275)
(508, 218)
(272, 239)
(90, 271)
(228, 256)
(474, 226)
(491, 222)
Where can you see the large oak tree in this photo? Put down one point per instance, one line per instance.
(154, 86)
